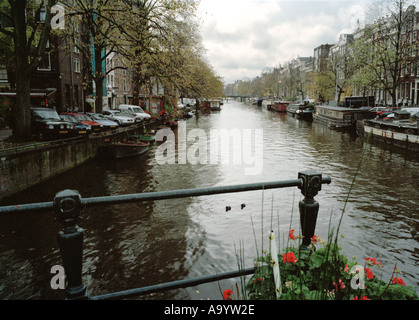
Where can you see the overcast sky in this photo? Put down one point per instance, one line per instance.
(243, 37)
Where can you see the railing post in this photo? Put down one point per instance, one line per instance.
(309, 208)
(67, 206)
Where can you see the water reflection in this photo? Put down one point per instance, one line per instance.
(134, 245)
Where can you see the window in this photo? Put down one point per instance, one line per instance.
(3, 74)
(42, 14)
(76, 65)
(125, 85)
(75, 26)
(76, 45)
(45, 63)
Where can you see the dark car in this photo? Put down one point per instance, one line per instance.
(80, 129)
(46, 124)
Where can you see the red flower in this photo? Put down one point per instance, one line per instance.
(289, 257)
(339, 285)
(373, 261)
(369, 273)
(227, 294)
(258, 280)
(346, 269)
(361, 298)
(398, 281)
(292, 237)
(315, 239)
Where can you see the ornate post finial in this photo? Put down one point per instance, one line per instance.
(67, 206)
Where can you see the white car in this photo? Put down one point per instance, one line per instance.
(412, 111)
(377, 109)
(138, 113)
(118, 117)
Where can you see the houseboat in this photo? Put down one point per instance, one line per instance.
(213, 105)
(300, 111)
(305, 113)
(340, 117)
(401, 132)
(280, 106)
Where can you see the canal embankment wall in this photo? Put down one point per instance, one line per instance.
(27, 166)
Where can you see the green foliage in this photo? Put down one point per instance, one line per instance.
(323, 274)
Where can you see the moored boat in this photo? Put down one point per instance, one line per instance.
(294, 107)
(124, 149)
(400, 133)
(280, 106)
(305, 113)
(257, 102)
(213, 105)
(339, 117)
(148, 137)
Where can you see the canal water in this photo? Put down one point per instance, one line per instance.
(135, 245)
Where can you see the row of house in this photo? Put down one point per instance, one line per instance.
(294, 76)
(63, 79)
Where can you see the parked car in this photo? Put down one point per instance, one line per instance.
(412, 111)
(388, 116)
(136, 111)
(377, 109)
(118, 117)
(383, 113)
(83, 118)
(79, 127)
(46, 124)
(107, 123)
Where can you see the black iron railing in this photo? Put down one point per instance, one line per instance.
(68, 206)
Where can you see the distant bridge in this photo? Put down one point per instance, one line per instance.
(240, 96)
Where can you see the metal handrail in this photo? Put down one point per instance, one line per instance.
(68, 206)
(164, 195)
(174, 285)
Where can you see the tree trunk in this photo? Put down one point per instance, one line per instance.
(21, 111)
(25, 68)
(98, 81)
(394, 98)
(136, 93)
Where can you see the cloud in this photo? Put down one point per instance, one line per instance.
(242, 37)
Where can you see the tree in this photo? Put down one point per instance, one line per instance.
(102, 20)
(29, 36)
(342, 68)
(384, 51)
(163, 45)
(161, 41)
(322, 85)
